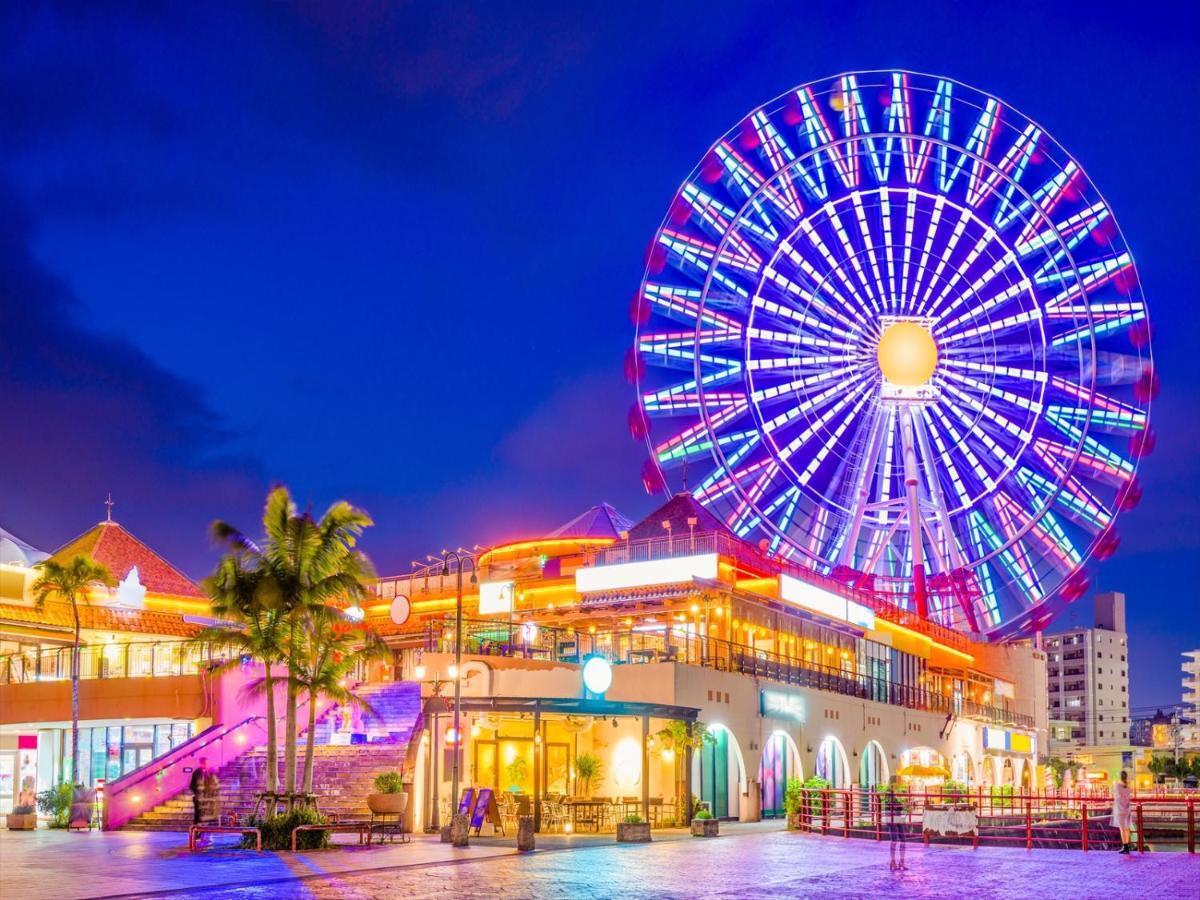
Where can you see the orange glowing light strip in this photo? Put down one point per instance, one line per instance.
(551, 543)
(885, 625)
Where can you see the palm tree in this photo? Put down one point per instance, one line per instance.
(71, 582)
(311, 563)
(335, 651)
(242, 593)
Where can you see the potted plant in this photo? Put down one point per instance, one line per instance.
(587, 769)
(704, 825)
(633, 830)
(792, 800)
(389, 798)
(22, 818)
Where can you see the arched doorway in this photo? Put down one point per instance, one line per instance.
(780, 761)
(718, 771)
(872, 766)
(832, 764)
(962, 769)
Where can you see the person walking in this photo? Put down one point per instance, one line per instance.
(893, 812)
(197, 787)
(1122, 813)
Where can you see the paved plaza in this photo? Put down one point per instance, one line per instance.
(748, 861)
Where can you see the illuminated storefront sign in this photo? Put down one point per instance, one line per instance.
(826, 603)
(640, 574)
(1000, 739)
(495, 597)
(781, 705)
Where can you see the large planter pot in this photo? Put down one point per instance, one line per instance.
(631, 833)
(705, 827)
(21, 821)
(387, 804)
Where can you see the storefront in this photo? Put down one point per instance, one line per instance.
(569, 763)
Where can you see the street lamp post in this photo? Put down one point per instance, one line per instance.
(460, 557)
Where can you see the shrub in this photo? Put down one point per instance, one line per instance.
(792, 796)
(389, 783)
(277, 831)
(588, 768)
(56, 802)
(23, 810)
(703, 814)
(1002, 796)
(816, 801)
(633, 819)
(953, 790)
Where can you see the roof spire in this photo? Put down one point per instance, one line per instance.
(108, 504)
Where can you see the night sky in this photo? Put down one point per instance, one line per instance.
(384, 251)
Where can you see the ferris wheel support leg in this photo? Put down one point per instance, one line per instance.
(916, 542)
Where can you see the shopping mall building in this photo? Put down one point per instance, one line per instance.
(582, 651)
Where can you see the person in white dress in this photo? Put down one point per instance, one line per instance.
(1123, 811)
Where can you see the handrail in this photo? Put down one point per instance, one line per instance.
(184, 657)
(158, 764)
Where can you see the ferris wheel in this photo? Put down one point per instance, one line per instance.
(890, 331)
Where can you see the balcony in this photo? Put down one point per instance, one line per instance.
(635, 647)
(139, 659)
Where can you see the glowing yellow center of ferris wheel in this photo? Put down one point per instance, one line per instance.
(907, 354)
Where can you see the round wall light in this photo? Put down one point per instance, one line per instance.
(597, 674)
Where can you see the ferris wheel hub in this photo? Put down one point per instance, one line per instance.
(907, 353)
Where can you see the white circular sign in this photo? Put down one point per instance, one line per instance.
(401, 609)
(529, 632)
(597, 675)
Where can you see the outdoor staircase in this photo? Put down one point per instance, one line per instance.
(342, 774)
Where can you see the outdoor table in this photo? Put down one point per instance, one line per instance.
(595, 808)
(948, 820)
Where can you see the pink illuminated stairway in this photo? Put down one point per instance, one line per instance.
(342, 774)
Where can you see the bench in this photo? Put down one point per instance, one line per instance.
(196, 830)
(363, 829)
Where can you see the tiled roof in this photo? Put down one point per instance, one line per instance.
(677, 511)
(112, 546)
(599, 521)
(56, 614)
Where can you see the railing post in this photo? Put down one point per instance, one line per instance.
(1141, 832)
(1191, 825)
(1084, 821)
(1028, 824)
(848, 799)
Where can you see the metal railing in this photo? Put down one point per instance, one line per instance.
(1061, 819)
(138, 659)
(633, 647)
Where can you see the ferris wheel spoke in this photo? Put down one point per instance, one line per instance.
(864, 229)
(1092, 448)
(1011, 292)
(1069, 233)
(850, 253)
(833, 321)
(811, 402)
(885, 213)
(683, 305)
(820, 140)
(948, 465)
(1100, 410)
(982, 388)
(722, 222)
(679, 348)
(854, 125)
(989, 415)
(993, 328)
(1094, 460)
(981, 243)
(979, 144)
(1046, 530)
(1080, 504)
(1011, 165)
(848, 394)
(900, 128)
(814, 238)
(937, 125)
(751, 184)
(1014, 548)
(1041, 203)
(947, 253)
(931, 230)
(997, 370)
(782, 161)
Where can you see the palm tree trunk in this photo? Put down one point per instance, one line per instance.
(289, 749)
(272, 780)
(311, 740)
(75, 699)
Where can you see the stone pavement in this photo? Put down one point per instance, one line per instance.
(757, 861)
